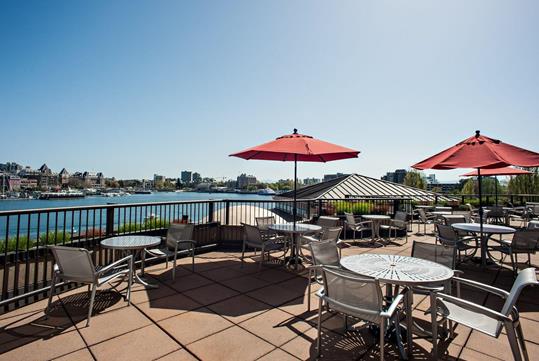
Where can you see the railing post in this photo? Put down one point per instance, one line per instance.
(211, 207)
(319, 207)
(436, 198)
(308, 209)
(227, 212)
(109, 230)
(512, 200)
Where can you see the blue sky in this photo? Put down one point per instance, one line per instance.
(133, 88)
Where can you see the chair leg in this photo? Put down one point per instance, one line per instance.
(511, 335)
(309, 280)
(174, 264)
(261, 259)
(129, 281)
(522, 342)
(193, 257)
(319, 329)
(434, 326)
(51, 294)
(382, 338)
(92, 297)
(242, 254)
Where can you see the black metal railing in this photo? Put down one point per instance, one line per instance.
(26, 264)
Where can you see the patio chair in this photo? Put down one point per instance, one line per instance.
(253, 238)
(484, 319)
(263, 224)
(497, 215)
(324, 253)
(328, 234)
(523, 242)
(76, 265)
(351, 295)
(473, 211)
(424, 219)
(398, 223)
(179, 238)
(327, 222)
(533, 225)
(352, 223)
(455, 219)
(447, 236)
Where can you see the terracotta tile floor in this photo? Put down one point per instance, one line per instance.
(226, 312)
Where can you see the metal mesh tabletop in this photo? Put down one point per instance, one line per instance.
(131, 242)
(375, 216)
(487, 228)
(297, 229)
(397, 269)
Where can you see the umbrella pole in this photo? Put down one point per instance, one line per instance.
(483, 254)
(496, 188)
(295, 212)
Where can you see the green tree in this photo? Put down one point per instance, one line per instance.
(415, 179)
(526, 183)
(469, 187)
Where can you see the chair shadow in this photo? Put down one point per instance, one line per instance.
(37, 326)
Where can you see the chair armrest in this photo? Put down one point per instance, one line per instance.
(116, 263)
(472, 307)
(482, 286)
(393, 307)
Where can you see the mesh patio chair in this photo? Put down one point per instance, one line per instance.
(447, 236)
(483, 319)
(76, 265)
(497, 215)
(328, 234)
(179, 238)
(263, 224)
(353, 224)
(323, 253)
(327, 222)
(351, 295)
(424, 219)
(254, 239)
(533, 225)
(398, 223)
(523, 242)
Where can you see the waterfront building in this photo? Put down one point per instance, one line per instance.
(396, 177)
(244, 180)
(328, 177)
(10, 167)
(310, 181)
(158, 180)
(64, 177)
(197, 178)
(186, 176)
(14, 183)
(448, 187)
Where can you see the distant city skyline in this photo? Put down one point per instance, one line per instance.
(133, 88)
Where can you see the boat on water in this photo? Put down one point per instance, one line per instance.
(266, 192)
(143, 191)
(61, 195)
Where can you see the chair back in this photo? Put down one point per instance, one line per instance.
(496, 212)
(525, 278)
(252, 235)
(533, 225)
(401, 216)
(326, 222)
(264, 222)
(179, 232)
(350, 219)
(75, 264)
(422, 215)
(347, 293)
(453, 220)
(525, 240)
(441, 254)
(470, 208)
(446, 235)
(331, 234)
(325, 253)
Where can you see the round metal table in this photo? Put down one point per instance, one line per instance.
(399, 270)
(376, 220)
(135, 245)
(488, 231)
(292, 231)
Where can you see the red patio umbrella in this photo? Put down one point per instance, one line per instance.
(297, 147)
(496, 172)
(480, 152)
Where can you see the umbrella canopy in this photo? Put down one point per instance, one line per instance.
(480, 152)
(497, 171)
(297, 147)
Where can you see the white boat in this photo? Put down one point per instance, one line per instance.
(266, 192)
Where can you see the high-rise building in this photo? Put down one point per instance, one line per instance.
(186, 177)
(310, 181)
(158, 180)
(333, 176)
(396, 177)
